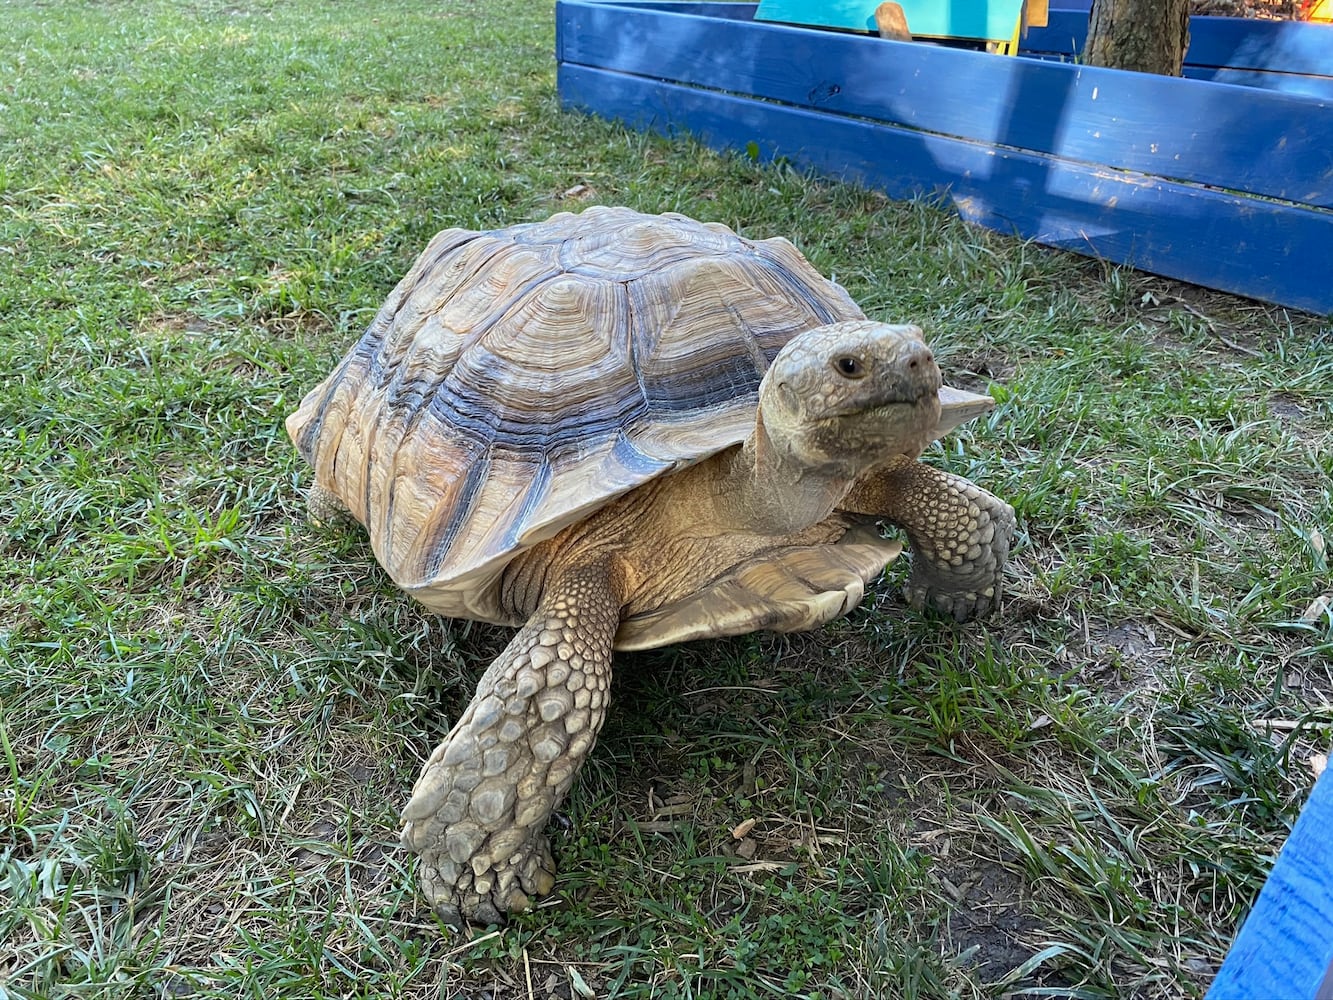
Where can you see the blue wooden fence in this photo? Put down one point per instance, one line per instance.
(1287, 56)
(1285, 949)
(1225, 186)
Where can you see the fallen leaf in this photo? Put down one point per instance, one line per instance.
(1318, 761)
(1317, 609)
(578, 191)
(1317, 541)
(741, 829)
(577, 983)
(760, 866)
(658, 826)
(954, 891)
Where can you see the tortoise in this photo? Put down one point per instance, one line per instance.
(616, 431)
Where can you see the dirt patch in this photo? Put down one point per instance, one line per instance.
(1287, 409)
(1299, 418)
(989, 921)
(1310, 680)
(1122, 657)
(536, 979)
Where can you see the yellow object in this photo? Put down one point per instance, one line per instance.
(1320, 10)
(1035, 14)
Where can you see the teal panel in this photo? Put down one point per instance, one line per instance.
(994, 19)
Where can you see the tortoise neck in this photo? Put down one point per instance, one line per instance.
(763, 489)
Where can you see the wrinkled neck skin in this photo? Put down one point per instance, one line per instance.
(763, 488)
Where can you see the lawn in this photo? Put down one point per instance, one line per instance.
(212, 711)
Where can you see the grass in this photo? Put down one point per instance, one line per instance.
(212, 712)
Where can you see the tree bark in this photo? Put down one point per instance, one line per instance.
(1149, 36)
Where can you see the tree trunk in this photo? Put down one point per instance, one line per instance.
(1150, 36)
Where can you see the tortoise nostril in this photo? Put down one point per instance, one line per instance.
(919, 356)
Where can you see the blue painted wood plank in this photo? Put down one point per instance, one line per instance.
(1065, 33)
(1271, 144)
(1320, 87)
(1281, 46)
(994, 19)
(1249, 246)
(1285, 947)
(1239, 43)
(730, 11)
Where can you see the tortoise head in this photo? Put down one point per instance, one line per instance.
(843, 397)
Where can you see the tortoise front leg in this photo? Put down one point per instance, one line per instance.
(959, 534)
(477, 812)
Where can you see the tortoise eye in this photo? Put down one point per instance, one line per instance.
(850, 367)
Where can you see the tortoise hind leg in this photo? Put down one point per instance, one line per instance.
(959, 533)
(322, 507)
(477, 812)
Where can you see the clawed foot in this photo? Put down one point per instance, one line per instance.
(963, 578)
(482, 893)
(966, 583)
(961, 606)
(960, 535)
(958, 560)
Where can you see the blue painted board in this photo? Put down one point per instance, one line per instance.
(1271, 144)
(1281, 56)
(1285, 947)
(1320, 87)
(1239, 43)
(1280, 46)
(731, 11)
(1253, 247)
(991, 19)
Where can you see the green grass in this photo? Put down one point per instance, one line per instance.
(212, 712)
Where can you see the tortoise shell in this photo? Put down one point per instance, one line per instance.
(516, 380)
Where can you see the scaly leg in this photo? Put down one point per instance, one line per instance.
(477, 812)
(959, 534)
(324, 508)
